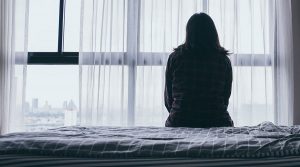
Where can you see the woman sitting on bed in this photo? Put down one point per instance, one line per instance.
(198, 78)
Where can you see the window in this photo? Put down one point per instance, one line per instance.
(52, 74)
(54, 35)
(52, 96)
(54, 27)
(43, 25)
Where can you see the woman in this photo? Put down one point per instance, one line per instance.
(198, 78)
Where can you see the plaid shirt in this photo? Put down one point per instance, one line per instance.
(197, 89)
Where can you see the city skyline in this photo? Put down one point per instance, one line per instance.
(35, 105)
(54, 84)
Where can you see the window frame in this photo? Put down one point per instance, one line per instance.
(59, 57)
(72, 58)
(132, 51)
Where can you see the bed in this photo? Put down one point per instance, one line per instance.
(261, 145)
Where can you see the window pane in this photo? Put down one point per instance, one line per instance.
(52, 96)
(162, 25)
(20, 22)
(104, 26)
(251, 100)
(72, 25)
(43, 25)
(150, 109)
(243, 26)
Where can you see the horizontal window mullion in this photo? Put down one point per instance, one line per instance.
(52, 58)
(251, 59)
(120, 58)
(157, 58)
(103, 58)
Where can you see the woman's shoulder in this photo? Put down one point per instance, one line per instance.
(181, 52)
(222, 56)
(177, 53)
(226, 59)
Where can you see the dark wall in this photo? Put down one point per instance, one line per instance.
(296, 41)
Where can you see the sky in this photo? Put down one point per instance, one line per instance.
(52, 83)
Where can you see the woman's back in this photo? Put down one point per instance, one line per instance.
(200, 85)
(199, 78)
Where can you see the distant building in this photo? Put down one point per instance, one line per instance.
(27, 107)
(35, 104)
(71, 105)
(70, 114)
(65, 105)
(46, 106)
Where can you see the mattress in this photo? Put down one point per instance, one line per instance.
(261, 141)
(11, 160)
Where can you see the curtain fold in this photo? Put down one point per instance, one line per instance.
(282, 53)
(244, 30)
(13, 14)
(125, 45)
(102, 58)
(6, 60)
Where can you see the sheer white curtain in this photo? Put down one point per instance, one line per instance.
(13, 16)
(282, 53)
(103, 59)
(244, 29)
(125, 44)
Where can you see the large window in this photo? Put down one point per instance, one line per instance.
(52, 74)
(52, 96)
(54, 35)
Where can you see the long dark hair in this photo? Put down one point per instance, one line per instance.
(201, 35)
